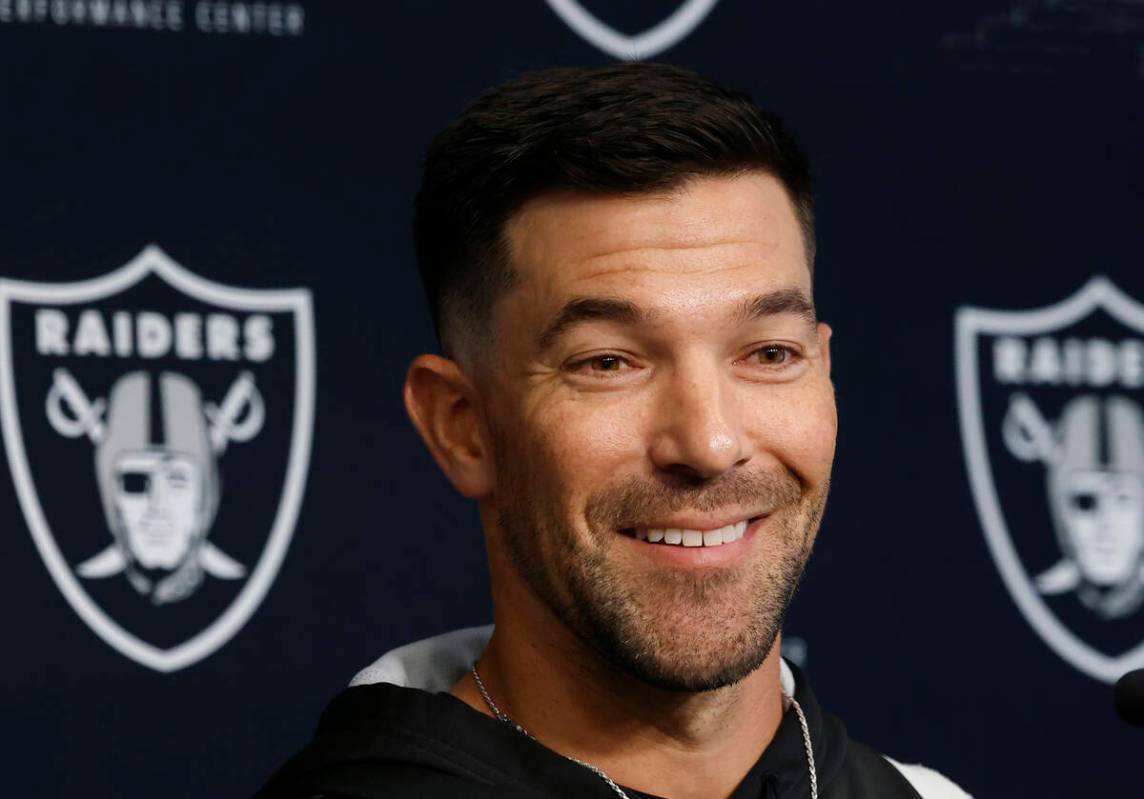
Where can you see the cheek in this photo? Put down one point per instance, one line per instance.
(585, 444)
(800, 429)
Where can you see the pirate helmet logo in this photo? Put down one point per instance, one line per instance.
(156, 468)
(1052, 424)
(1094, 461)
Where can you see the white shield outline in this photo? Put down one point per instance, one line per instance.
(153, 260)
(651, 42)
(1098, 294)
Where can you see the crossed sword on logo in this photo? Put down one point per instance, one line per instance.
(73, 414)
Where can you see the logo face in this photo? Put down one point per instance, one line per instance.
(651, 42)
(157, 426)
(1052, 422)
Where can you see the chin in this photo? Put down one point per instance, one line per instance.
(674, 650)
(694, 668)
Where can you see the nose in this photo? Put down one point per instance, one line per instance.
(698, 432)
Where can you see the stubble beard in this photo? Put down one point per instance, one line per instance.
(678, 630)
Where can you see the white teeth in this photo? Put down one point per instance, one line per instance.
(694, 538)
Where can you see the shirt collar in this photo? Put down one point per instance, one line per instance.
(436, 664)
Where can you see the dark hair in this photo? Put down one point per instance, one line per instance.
(620, 129)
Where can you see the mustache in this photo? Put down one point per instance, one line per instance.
(640, 499)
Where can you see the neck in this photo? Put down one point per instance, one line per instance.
(576, 703)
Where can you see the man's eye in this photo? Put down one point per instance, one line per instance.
(773, 355)
(603, 363)
(600, 363)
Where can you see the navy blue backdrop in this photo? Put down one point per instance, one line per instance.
(170, 169)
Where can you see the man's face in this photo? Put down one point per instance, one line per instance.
(1104, 515)
(158, 496)
(658, 367)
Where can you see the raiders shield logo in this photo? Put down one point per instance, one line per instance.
(157, 426)
(651, 42)
(1052, 423)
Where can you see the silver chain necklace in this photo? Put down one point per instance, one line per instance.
(502, 716)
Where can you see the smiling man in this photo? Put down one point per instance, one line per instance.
(636, 390)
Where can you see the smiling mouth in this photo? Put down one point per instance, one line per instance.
(679, 537)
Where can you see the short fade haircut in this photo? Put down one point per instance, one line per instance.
(623, 129)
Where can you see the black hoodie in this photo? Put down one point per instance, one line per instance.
(383, 740)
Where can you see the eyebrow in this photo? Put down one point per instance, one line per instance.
(775, 303)
(625, 312)
(591, 309)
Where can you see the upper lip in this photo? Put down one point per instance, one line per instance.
(696, 521)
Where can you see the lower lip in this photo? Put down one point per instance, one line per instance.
(679, 556)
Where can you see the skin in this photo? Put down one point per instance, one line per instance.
(702, 414)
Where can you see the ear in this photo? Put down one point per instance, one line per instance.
(441, 401)
(824, 334)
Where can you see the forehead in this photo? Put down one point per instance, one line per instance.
(724, 232)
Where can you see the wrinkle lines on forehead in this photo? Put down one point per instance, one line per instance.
(648, 256)
(711, 213)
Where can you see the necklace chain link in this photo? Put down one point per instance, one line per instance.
(504, 717)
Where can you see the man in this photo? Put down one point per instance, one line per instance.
(636, 390)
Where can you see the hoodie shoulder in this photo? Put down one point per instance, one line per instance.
(383, 740)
